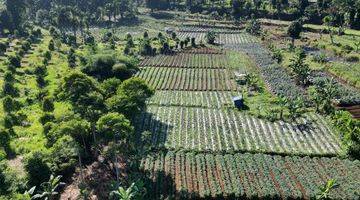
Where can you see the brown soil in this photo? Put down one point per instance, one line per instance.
(97, 177)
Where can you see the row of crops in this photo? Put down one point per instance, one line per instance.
(164, 78)
(207, 99)
(216, 130)
(187, 60)
(276, 77)
(249, 176)
(205, 30)
(240, 38)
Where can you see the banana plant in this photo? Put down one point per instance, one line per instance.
(325, 190)
(136, 191)
(49, 188)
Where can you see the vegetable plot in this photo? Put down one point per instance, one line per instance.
(222, 38)
(163, 78)
(204, 130)
(275, 76)
(249, 176)
(206, 99)
(187, 60)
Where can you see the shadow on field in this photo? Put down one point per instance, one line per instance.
(161, 185)
(158, 130)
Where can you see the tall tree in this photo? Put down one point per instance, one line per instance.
(17, 12)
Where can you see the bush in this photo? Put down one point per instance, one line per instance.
(46, 117)
(10, 89)
(210, 37)
(352, 58)
(47, 55)
(64, 156)
(48, 104)
(26, 45)
(320, 58)
(10, 104)
(51, 45)
(3, 47)
(15, 61)
(193, 42)
(37, 168)
(9, 77)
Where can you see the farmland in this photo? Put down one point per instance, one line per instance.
(164, 100)
(164, 78)
(249, 176)
(197, 129)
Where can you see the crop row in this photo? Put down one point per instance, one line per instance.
(203, 50)
(205, 30)
(276, 77)
(205, 130)
(249, 176)
(221, 38)
(207, 99)
(163, 78)
(187, 60)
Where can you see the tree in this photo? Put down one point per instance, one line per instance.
(77, 128)
(17, 13)
(299, 67)
(10, 104)
(83, 93)
(237, 7)
(114, 126)
(294, 30)
(130, 97)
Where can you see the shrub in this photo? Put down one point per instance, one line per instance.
(193, 43)
(51, 45)
(46, 117)
(110, 86)
(320, 58)
(352, 58)
(71, 58)
(253, 26)
(63, 156)
(3, 47)
(10, 104)
(9, 77)
(10, 89)
(15, 61)
(210, 37)
(37, 168)
(47, 55)
(48, 104)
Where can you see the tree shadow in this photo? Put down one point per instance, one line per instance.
(158, 130)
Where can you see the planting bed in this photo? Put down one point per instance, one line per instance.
(199, 129)
(249, 176)
(187, 60)
(207, 99)
(163, 78)
(228, 38)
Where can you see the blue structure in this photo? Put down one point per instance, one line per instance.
(238, 102)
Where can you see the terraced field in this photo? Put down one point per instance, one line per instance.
(249, 176)
(165, 78)
(219, 130)
(223, 38)
(187, 60)
(201, 99)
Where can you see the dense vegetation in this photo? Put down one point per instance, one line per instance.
(115, 99)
